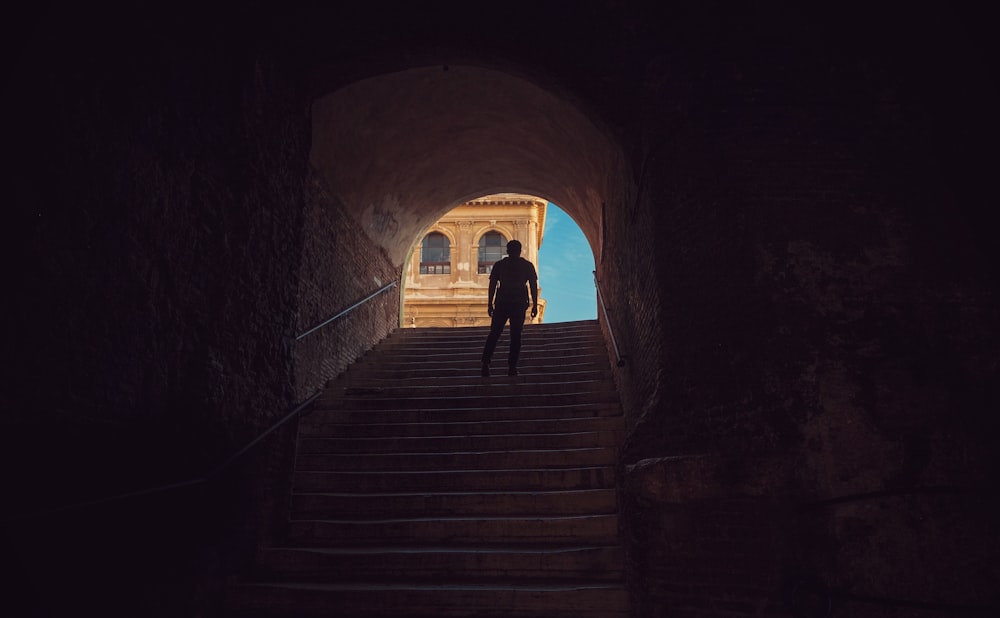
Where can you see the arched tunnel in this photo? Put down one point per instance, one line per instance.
(790, 217)
(406, 147)
(399, 150)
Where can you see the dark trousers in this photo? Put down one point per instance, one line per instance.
(502, 312)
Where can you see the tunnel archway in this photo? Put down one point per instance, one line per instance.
(392, 152)
(401, 149)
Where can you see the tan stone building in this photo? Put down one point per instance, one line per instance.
(448, 272)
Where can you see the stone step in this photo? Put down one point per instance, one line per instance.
(487, 503)
(461, 427)
(322, 416)
(455, 531)
(548, 330)
(308, 600)
(479, 388)
(468, 460)
(441, 563)
(470, 366)
(418, 354)
(477, 342)
(449, 444)
(594, 477)
(532, 338)
(560, 327)
(539, 350)
(504, 399)
(542, 374)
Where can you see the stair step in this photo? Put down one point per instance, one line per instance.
(478, 387)
(306, 600)
(468, 460)
(471, 412)
(470, 363)
(508, 504)
(467, 354)
(469, 376)
(456, 531)
(420, 351)
(437, 444)
(538, 369)
(464, 427)
(531, 341)
(497, 402)
(530, 330)
(554, 328)
(443, 563)
(597, 477)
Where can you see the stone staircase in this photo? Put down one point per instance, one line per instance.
(424, 490)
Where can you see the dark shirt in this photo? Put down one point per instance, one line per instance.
(513, 275)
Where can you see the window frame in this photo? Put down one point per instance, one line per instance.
(484, 267)
(440, 266)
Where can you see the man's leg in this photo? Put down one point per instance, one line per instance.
(516, 326)
(496, 327)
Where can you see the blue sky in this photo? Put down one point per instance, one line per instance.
(566, 270)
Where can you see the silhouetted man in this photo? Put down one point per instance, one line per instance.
(512, 273)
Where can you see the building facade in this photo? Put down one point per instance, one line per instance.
(448, 273)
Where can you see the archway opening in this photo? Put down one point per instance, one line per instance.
(392, 153)
(446, 275)
(473, 237)
(399, 150)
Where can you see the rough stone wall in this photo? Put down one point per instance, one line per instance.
(340, 266)
(160, 213)
(156, 220)
(816, 352)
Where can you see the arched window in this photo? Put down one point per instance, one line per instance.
(435, 255)
(492, 246)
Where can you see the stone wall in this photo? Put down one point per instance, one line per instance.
(159, 210)
(814, 347)
(156, 225)
(340, 266)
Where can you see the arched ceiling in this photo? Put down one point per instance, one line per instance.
(402, 149)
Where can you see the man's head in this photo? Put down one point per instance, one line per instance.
(514, 248)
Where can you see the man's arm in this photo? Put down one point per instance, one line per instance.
(533, 284)
(492, 293)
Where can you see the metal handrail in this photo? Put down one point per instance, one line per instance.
(619, 359)
(219, 469)
(207, 478)
(364, 300)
